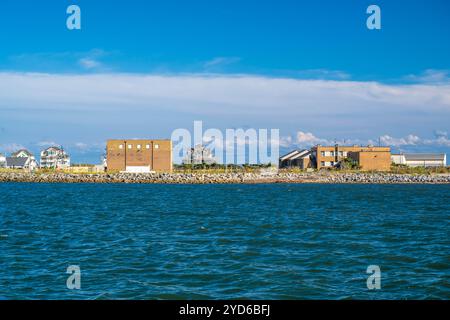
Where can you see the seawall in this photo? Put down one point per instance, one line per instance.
(226, 178)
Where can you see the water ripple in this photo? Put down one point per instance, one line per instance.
(224, 241)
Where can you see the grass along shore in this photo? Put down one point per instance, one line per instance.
(84, 169)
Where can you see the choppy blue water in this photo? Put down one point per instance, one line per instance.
(224, 241)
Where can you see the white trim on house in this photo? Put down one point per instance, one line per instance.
(301, 154)
(292, 158)
(289, 155)
(2, 160)
(138, 169)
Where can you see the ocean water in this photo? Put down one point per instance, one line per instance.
(278, 241)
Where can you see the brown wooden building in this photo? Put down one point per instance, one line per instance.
(296, 159)
(368, 158)
(139, 155)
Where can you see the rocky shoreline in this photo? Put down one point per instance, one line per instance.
(227, 178)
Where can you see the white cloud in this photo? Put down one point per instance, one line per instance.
(11, 147)
(408, 140)
(89, 63)
(430, 76)
(66, 61)
(204, 93)
(220, 61)
(440, 133)
(308, 138)
(81, 145)
(323, 74)
(286, 142)
(303, 139)
(440, 139)
(91, 59)
(84, 147)
(46, 143)
(108, 102)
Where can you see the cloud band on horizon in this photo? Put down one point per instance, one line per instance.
(75, 107)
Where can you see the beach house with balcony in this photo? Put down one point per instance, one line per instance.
(54, 157)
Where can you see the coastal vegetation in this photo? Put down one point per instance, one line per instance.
(395, 169)
(403, 169)
(219, 168)
(199, 169)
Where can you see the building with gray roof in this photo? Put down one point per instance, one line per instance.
(17, 162)
(420, 159)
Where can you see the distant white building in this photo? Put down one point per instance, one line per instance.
(21, 159)
(398, 159)
(420, 159)
(199, 155)
(54, 157)
(2, 160)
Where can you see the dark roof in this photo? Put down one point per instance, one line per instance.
(16, 161)
(424, 156)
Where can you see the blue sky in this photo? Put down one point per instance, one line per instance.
(269, 37)
(144, 68)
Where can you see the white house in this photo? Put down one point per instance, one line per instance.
(54, 157)
(199, 155)
(16, 161)
(420, 159)
(2, 160)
